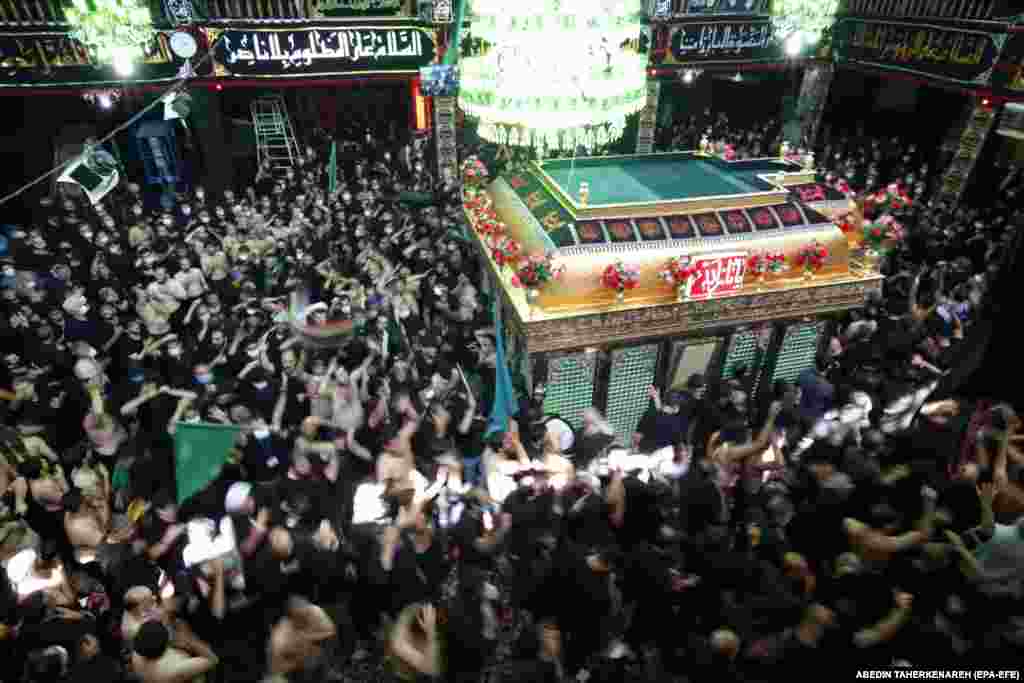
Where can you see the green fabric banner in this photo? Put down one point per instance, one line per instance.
(555, 220)
(200, 450)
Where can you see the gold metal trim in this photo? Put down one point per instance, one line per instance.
(697, 317)
(544, 330)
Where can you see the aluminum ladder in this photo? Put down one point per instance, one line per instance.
(275, 137)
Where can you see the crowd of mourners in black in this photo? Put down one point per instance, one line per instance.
(853, 519)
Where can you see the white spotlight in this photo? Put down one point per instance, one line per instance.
(688, 76)
(104, 101)
(794, 44)
(123, 63)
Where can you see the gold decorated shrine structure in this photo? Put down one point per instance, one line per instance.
(591, 346)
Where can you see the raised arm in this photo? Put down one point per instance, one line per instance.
(425, 662)
(732, 454)
(192, 310)
(886, 629)
(314, 624)
(179, 412)
(616, 498)
(878, 542)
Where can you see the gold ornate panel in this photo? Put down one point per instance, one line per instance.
(689, 317)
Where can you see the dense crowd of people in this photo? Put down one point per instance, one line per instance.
(374, 529)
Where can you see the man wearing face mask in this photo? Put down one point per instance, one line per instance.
(266, 456)
(258, 389)
(88, 379)
(174, 365)
(184, 218)
(78, 326)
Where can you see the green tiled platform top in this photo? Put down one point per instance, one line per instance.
(658, 178)
(651, 179)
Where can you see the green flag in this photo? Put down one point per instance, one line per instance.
(332, 169)
(416, 198)
(200, 450)
(94, 171)
(504, 395)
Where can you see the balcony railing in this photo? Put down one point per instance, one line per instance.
(44, 12)
(31, 12)
(260, 9)
(977, 10)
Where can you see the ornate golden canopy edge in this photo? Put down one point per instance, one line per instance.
(692, 316)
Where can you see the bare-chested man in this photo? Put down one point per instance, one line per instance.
(156, 659)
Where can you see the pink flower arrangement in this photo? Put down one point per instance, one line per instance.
(474, 173)
(487, 226)
(620, 277)
(761, 262)
(844, 223)
(812, 256)
(506, 252)
(678, 270)
(795, 156)
(885, 229)
(536, 271)
(724, 149)
(887, 200)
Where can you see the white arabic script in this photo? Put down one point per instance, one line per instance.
(302, 48)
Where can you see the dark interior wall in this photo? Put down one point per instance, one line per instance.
(18, 165)
(754, 99)
(880, 106)
(335, 107)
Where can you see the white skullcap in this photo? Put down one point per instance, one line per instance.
(86, 368)
(74, 303)
(861, 400)
(237, 497)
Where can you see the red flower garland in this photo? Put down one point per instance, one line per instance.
(812, 257)
(620, 277)
(678, 270)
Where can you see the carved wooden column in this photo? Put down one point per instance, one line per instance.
(977, 130)
(648, 123)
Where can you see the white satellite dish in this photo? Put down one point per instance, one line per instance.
(183, 45)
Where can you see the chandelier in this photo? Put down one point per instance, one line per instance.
(116, 32)
(555, 73)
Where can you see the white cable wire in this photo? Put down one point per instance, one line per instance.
(159, 101)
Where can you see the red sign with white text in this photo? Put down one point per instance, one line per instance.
(716, 275)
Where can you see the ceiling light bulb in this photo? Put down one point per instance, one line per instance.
(123, 63)
(794, 44)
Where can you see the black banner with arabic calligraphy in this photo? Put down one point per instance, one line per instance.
(359, 8)
(1011, 75)
(721, 41)
(721, 7)
(954, 54)
(41, 59)
(321, 51)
